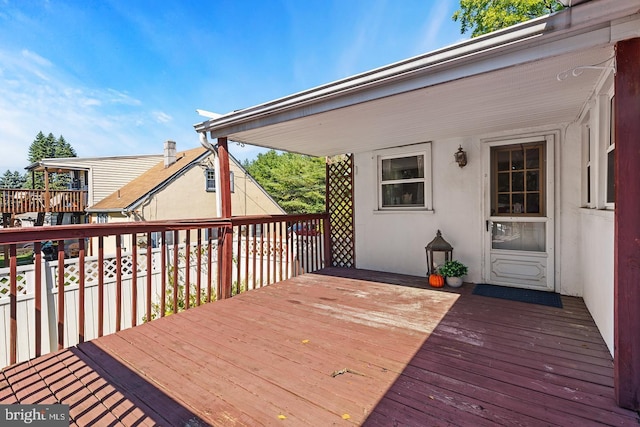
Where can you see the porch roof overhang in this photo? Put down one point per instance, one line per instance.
(505, 80)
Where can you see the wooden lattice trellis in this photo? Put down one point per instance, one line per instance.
(341, 210)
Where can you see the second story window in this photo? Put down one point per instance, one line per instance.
(210, 180)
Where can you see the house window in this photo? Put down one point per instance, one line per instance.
(210, 180)
(102, 218)
(404, 178)
(587, 170)
(611, 146)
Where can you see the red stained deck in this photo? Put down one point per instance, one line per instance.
(409, 356)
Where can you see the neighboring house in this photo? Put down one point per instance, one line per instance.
(533, 107)
(91, 180)
(182, 186)
(99, 176)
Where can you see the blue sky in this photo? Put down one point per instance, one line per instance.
(120, 77)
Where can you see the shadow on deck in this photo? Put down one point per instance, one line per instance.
(338, 347)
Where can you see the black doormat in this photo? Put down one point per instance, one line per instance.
(516, 294)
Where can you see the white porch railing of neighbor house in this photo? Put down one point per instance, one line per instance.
(108, 288)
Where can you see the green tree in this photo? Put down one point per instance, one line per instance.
(48, 147)
(295, 181)
(12, 179)
(484, 16)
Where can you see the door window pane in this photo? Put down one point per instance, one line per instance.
(503, 182)
(517, 181)
(504, 161)
(518, 236)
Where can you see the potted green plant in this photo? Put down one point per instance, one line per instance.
(453, 271)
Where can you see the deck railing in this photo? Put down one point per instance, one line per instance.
(96, 279)
(19, 201)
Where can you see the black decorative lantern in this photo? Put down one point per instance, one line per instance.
(460, 157)
(441, 248)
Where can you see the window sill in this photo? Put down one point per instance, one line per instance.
(402, 211)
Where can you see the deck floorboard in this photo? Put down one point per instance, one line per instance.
(338, 347)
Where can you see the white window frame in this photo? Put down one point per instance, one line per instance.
(423, 149)
(588, 162)
(210, 181)
(609, 148)
(597, 133)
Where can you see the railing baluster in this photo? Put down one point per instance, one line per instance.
(118, 281)
(60, 294)
(268, 253)
(210, 263)
(100, 286)
(149, 276)
(273, 250)
(37, 248)
(246, 256)
(134, 279)
(285, 254)
(239, 258)
(279, 250)
(199, 266)
(81, 290)
(253, 260)
(261, 253)
(163, 268)
(316, 244)
(13, 301)
(176, 260)
(187, 270)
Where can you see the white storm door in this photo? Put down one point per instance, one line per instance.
(519, 228)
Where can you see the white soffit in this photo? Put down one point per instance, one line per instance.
(521, 96)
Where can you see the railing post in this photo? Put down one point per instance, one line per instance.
(328, 262)
(226, 242)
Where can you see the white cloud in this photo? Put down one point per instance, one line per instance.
(162, 117)
(36, 96)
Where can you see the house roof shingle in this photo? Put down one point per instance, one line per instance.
(148, 181)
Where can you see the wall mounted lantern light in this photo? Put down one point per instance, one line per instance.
(460, 157)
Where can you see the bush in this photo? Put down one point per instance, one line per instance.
(453, 268)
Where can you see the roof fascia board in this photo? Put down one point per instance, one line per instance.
(578, 20)
(69, 162)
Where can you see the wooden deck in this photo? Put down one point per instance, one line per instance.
(326, 349)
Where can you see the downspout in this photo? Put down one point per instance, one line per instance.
(216, 163)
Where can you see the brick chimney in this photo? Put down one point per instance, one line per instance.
(169, 153)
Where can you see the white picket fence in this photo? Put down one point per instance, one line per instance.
(26, 285)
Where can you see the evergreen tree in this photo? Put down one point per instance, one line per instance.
(47, 147)
(12, 179)
(295, 181)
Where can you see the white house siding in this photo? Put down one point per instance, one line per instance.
(108, 174)
(395, 241)
(596, 268)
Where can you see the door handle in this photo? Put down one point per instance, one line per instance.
(487, 224)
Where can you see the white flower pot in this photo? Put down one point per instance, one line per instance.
(454, 282)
